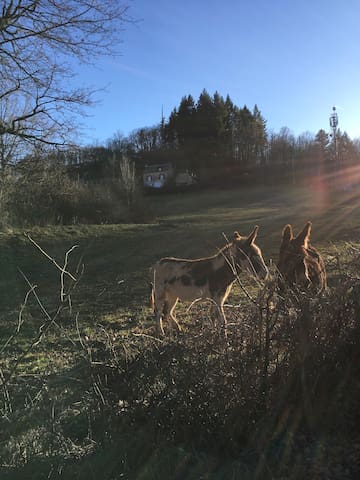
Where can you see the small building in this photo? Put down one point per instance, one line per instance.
(185, 179)
(164, 175)
(158, 176)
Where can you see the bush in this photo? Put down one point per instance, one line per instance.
(285, 380)
(295, 356)
(41, 193)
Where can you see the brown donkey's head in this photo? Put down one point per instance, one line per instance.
(299, 262)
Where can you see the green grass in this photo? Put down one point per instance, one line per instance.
(117, 257)
(111, 298)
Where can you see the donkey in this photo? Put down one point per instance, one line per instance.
(299, 262)
(203, 278)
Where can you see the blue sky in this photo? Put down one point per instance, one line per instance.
(294, 59)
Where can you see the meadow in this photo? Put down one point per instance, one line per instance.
(54, 331)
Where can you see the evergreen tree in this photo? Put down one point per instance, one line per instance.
(170, 131)
(212, 132)
(184, 120)
(260, 138)
(220, 116)
(205, 118)
(322, 142)
(244, 136)
(230, 129)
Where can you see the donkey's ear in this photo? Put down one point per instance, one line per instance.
(304, 236)
(251, 238)
(287, 234)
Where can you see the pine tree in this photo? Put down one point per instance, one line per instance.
(184, 120)
(260, 137)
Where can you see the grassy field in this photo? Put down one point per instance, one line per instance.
(117, 258)
(111, 298)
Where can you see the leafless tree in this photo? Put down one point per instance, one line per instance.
(41, 41)
(128, 179)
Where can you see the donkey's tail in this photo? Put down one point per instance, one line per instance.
(152, 289)
(152, 296)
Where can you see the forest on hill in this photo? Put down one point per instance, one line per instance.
(212, 136)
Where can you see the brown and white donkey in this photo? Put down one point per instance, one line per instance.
(175, 279)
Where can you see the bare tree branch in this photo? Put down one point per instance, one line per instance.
(50, 319)
(35, 81)
(52, 260)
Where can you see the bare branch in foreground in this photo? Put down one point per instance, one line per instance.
(62, 269)
(49, 319)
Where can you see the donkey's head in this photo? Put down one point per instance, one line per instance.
(248, 255)
(299, 262)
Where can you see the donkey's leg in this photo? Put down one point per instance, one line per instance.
(220, 314)
(222, 318)
(220, 300)
(171, 304)
(159, 314)
(159, 324)
(214, 313)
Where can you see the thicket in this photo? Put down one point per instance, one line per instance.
(277, 399)
(41, 190)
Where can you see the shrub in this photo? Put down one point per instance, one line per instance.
(41, 193)
(285, 379)
(294, 356)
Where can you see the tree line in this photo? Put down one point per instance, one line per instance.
(217, 139)
(208, 133)
(212, 135)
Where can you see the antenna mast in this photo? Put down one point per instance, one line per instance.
(333, 125)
